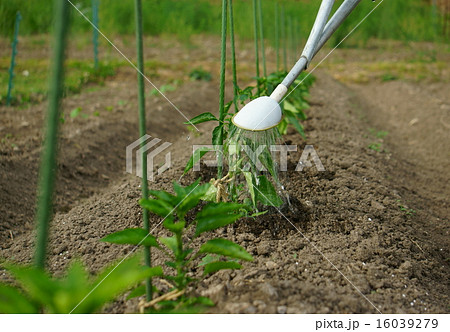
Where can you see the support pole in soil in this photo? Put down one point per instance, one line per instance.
(255, 29)
(261, 35)
(277, 35)
(13, 58)
(223, 60)
(95, 21)
(291, 40)
(48, 156)
(142, 132)
(283, 36)
(233, 55)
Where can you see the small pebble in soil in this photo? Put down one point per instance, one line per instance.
(282, 309)
(271, 265)
(370, 219)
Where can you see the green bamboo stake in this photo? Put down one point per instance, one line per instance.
(283, 36)
(223, 60)
(277, 35)
(95, 21)
(13, 58)
(296, 38)
(255, 24)
(291, 39)
(261, 35)
(48, 155)
(233, 56)
(142, 132)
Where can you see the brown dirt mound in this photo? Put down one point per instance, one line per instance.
(370, 233)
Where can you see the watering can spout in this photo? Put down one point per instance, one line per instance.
(264, 113)
(260, 114)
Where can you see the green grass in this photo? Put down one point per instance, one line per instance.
(31, 80)
(183, 18)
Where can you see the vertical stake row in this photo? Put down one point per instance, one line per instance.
(13, 58)
(48, 155)
(142, 132)
(95, 21)
(261, 35)
(233, 56)
(223, 60)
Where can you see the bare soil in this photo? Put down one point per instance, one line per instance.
(368, 235)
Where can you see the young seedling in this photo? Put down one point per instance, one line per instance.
(182, 258)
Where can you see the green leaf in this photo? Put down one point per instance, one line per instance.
(287, 106)
(217, 140)
(196, 156)
(170, 242)
(282, 127)
(164, 196)
(204, 117)
(215, 215)
(75, 112)
(37, 284)
(217, 266)
(225, 248)
(189, 196)
(209, 259)
(210, 194)
(266, 159)
(249, 178)
(115, 280)
(266, 193)
(174, 227)
(135, 236)
(201, 300)
(12, 301)
(138, 291)
(181, 191)
(157, 206)
(297, 125)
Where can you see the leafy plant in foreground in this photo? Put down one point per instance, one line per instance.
(182, 258)
(76, 292)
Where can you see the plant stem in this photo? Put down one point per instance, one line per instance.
(233, 56)
(48, 158)
(223, 60)
(142, 132)
(261, 35)
(255, 24)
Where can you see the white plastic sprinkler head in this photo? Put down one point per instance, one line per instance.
(262, 113)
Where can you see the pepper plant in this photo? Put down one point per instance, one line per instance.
(182, 258)
(75, 292)
(244, 182)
